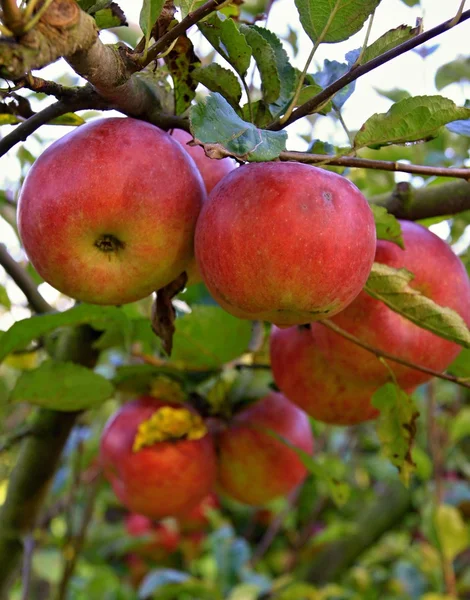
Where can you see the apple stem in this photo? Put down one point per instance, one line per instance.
(109, 243)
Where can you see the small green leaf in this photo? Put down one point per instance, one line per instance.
(410, 120)
(395, 95)
(62, 386)
(8, 119)
(396, 427)
(209, 337)
(149, 14)
(4, 298)
(23, 332)
(391, 286)
(181, 63)
(461, 365)
(213, 121)
(187, 6)
(265, 58)
(109, 17)
(332, 21)
(453, 72)
(451, 531)
(460, 426)
(387, 226)
(229, 42)
(389, 40)
(67, 119)
(411, 2)
(218, 79)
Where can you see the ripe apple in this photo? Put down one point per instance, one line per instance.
(158, 478)
(107, 213)
(285, 242)
(256, 467)
(333, 379)
(212, 171)
(196, 519)
(163, 539)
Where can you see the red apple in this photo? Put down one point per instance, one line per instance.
(197, 518)
(163, 539)
(212, 171)
(107, 213)
(158, 478)
(333, 379)
(256, 467)
(285, 242)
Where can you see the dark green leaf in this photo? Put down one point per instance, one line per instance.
(23, 332)
(394, 95)
(225, 37)
(181, 63)
(110, 17)
(149, 14)
(62, 386)
(461, 365)
(410, 120)
(218, 79)
(265, 58)
(4, 299)
(209, 337)
(213, 121)
(411, 2)
(389, 40)
(333, 20)
(453, 72)
(387, 226)
(396, 427)
(391, 286)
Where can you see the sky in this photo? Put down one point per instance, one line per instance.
(408, 72)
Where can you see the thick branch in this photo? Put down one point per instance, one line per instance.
(309, 107)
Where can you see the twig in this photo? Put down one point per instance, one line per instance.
(29, 545)
(17, 436)
(12, 16)
(23, 281)
(392, 357)
(356, 72)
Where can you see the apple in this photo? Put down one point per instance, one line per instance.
(333, 379)
(107, 213)
(197, 519)
(254, 466)
(284, 242)
(158, 457)
(212, 171)
(163, 539)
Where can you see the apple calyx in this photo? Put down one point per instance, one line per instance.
(109, 243)
(169, 423)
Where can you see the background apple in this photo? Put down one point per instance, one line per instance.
(107, 213)
(285, 242)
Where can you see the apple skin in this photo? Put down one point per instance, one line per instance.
(196, 520)
(212, 171)
(254, 466)
(107, 213)
(165, 479)
(333, 379)
(286, 243)
(163, 539)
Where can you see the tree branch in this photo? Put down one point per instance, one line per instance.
(392, 357)
(356, 72)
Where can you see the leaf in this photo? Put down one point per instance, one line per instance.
(460, 127)
(332, 21)
(453, 72)
(394, 95)
(67, 119)
(389, 40)
(218, 79)
(62, 386)
(391, 286)
(265, 59)
(333, 70)
(149, 14)
(109, 17)
(396, 427)
(451, 531)
(181, 62)
(8, 119)
(229, 42)
(410, 120)
(387, 226)
(163, 312)
(170, 584)
(461, 365)
(23, 332)
(460, 426)
(208, 337)
(411, 2)
(213, 121)
(4, 298)
(187, 6)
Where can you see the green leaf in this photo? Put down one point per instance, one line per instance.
(391, 286)
(265, 58)
(213, 121)
(453, 72)
(62, 386)
(387, 226)
(389, 40)
(229, 42)
(4, 298)
(101, 318)
(67, 119)
(181, 63)
(149, 14)
(109, 17)
(332, 21)
(218, 79)
(8, 119)
(187, 6)
(410, 120)
(411, 2)
(461, 365)
(396, 427)
(331, 71)
(395, 95)
(209, 337)
(451, 531)
(460, 425)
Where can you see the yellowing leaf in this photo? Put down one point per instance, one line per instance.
(451, 531)
(387, 226)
